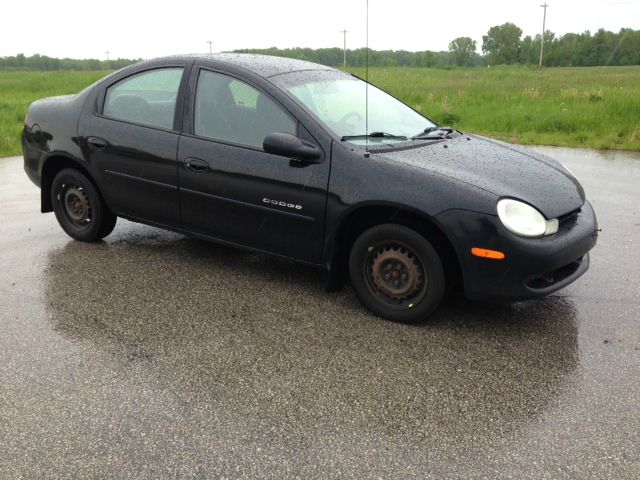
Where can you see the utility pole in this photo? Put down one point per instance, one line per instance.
(107, 53)
(544, 20)
(344, 48)
(210, 46)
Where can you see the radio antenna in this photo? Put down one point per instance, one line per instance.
(366, 85)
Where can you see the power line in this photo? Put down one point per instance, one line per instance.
(344, 48)
(544, 20)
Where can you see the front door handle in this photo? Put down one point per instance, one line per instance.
(196, 165)
(96, 143)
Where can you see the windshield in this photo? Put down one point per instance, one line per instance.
(338, 100)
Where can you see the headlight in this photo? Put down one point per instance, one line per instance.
(524, 220)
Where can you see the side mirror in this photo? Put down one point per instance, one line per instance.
(290, 146)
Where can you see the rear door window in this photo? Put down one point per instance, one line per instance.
(147, 98)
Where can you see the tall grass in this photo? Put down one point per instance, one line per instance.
(19, 89)
(588, 107)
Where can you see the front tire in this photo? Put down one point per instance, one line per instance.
(396, 273)
(78, 207)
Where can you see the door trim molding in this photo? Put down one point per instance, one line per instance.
(140, 179)
(298, 216)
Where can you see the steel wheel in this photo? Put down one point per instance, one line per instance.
(75, 205)
(396, 275)
(79, 208)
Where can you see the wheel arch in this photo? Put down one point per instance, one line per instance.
(50, 168)
(364, 216)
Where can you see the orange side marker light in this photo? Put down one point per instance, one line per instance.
(485, 253)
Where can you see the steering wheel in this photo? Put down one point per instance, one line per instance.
(347, 116)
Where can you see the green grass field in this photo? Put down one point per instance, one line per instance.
(595, 107)
(579, 107)
(19, 89)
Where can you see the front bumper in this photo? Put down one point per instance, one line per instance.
(532, 267)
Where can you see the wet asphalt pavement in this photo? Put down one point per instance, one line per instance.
(153, 355)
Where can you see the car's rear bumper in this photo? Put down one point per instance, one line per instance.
(32, 158)
(531, 267)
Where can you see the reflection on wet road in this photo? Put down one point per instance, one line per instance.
(153, 355)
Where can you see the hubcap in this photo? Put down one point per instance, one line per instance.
(396, 273)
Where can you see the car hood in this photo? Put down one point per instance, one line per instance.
(500, 168)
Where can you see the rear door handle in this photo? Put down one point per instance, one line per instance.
(96, 143)
(196, 165)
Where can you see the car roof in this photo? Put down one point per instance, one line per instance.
(264, 65)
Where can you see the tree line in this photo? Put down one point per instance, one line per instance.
(333, 57)
(502, 45)
(42, 62)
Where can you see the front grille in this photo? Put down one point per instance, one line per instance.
(569, 218)
(567, 221)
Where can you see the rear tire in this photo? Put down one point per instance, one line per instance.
(396, 273)
(78, 207)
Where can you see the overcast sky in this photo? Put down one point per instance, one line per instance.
(145, 29)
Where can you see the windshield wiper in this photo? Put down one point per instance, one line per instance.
(442, 132)
(375, 135)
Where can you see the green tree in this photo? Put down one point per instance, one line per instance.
(628, 48)
(462, 49)
(502, 44)
(529, 51)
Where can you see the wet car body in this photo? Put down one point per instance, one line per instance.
(532, 267)
(312, 211)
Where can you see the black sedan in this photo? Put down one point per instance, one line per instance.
(307, 162)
